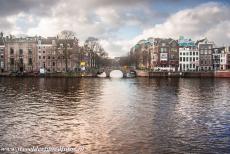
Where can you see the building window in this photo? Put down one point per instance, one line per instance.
(44, 57)
(20, 52)
(39, 57)
(48, 57)
(11, 61)
(53, 63)
(30, 51)
(21, 61)
(30, 61)
(44, 51)
(180, 58)
(11, 51)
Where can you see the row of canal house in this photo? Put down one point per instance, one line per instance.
(202, 55)
(30, 54)
(155, 53)
(180, 55)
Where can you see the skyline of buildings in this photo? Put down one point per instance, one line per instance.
(54, 54)
(179, 55)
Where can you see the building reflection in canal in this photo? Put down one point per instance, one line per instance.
(116, 115)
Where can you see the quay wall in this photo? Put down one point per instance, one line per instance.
(139, 73)
(184, 74)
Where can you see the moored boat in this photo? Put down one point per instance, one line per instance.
(101, 75)
(131, 74)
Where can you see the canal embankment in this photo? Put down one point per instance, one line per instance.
(209, 74)
(139, 73)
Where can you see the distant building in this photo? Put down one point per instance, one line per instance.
(2, 52)
(188, 55)
(53, 57)
(155, 53)
(219, 57)
(70, 57)
(47, 58)
(205, 54)
(227, 51)
(189, 59)
(21, 54)
(167, 54)
(140, 54)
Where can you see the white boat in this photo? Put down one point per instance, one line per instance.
(101, 75)
(131, 74)
(116, 74)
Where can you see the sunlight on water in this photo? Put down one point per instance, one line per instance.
(118, 116)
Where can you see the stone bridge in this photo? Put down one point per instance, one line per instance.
(108, 70)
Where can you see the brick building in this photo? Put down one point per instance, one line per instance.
(205, 54)
(21, 54)
(167, 54)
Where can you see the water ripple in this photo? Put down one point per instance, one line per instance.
(117, 116)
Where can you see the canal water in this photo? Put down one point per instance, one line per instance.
(125, 116)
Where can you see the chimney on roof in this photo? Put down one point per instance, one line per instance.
(1, 34)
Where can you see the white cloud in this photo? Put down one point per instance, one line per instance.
(210, 20)
(103, 19)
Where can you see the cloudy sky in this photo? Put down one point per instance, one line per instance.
(119, 24)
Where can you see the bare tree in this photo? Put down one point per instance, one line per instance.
(93, 47)
(67, 36)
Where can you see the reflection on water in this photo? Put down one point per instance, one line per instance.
(116, 116)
